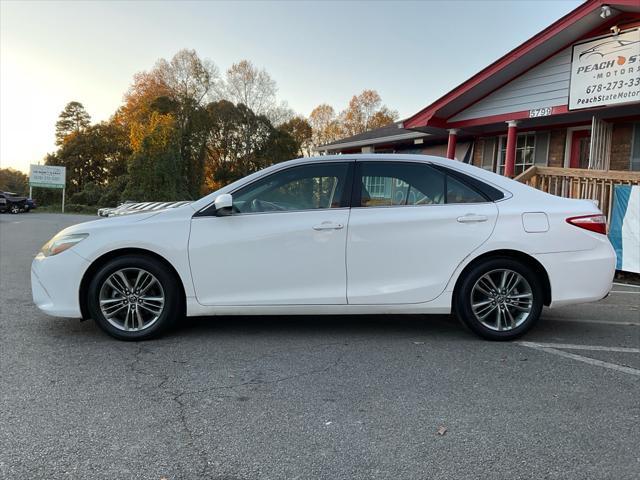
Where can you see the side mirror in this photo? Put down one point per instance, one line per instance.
(223, 204)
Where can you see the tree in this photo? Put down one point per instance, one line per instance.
(111, 143)
(93, 155)
(190, 79)
(83, 165)
(366, 112)
(239, 142)
(73, 119)
(280, 114)
(324, 125)
(300, 130)
(279, 147)
(250, 86)
(14, 181)
(192, 83)
(139, 104)
(154, 169)
(181, 88)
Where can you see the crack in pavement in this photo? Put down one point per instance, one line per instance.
(178, 396)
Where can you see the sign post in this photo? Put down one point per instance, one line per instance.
(48, 176)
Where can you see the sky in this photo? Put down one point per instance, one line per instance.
(318, 52)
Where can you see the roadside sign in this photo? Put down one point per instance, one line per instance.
(47, 176)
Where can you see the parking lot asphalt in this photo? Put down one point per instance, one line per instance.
(365, 397)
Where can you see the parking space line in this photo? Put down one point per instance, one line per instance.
(626, 285)
(571, 346)
(625, 291)
(599, 322)
(580, 358)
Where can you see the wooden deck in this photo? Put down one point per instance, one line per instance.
(579, 183)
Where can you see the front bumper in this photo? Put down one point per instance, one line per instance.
(55, 283)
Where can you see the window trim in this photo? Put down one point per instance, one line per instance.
(481, 187)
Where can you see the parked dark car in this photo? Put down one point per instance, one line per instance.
(30, 204)
(10, 202)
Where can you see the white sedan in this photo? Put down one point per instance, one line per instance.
(349, 234)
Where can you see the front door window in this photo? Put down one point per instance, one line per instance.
(307, 187)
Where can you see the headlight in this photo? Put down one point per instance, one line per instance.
(59, 244)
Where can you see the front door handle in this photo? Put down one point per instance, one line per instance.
(328, 226)
(471, 218)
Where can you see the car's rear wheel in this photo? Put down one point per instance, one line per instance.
(134, 297)
(499, 298)
(15, 209)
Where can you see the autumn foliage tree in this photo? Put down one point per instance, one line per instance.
(184, 130)
(300, 130)
(325, 125)
(364, 112)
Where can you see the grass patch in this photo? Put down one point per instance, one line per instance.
(69, 208)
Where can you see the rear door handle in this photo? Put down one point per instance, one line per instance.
(328, 226)
(471, 218)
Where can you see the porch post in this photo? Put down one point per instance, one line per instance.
(510, 153)
(451, 145)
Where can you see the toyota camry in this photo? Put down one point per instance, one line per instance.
(348, 234)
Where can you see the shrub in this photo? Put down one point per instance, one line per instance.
(78, 208)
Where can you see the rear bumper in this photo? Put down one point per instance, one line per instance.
(580, 277)
(55, 283)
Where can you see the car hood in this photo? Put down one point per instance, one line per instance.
(124, 220)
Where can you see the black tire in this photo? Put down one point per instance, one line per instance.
(465, 289)
(170, 289)
(14, 209)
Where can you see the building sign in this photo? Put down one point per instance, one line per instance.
(605, 71)
(47, 176)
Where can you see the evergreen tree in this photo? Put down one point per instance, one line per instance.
(73, 119)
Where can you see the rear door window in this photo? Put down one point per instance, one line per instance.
(387, 184)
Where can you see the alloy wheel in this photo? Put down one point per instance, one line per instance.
(501, 300)
(131, 299)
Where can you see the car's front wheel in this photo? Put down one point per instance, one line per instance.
(15, 209)
(134, 297)
(499, 298)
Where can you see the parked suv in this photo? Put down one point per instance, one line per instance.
(10, 202)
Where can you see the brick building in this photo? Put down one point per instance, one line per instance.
(568, 97)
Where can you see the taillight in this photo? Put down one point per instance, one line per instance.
(593, 223)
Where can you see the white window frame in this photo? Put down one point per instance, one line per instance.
(502, 148)
(376, 186)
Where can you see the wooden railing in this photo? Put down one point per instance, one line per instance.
(579, 183)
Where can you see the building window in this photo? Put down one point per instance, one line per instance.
(376, 186)
(525, 152)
